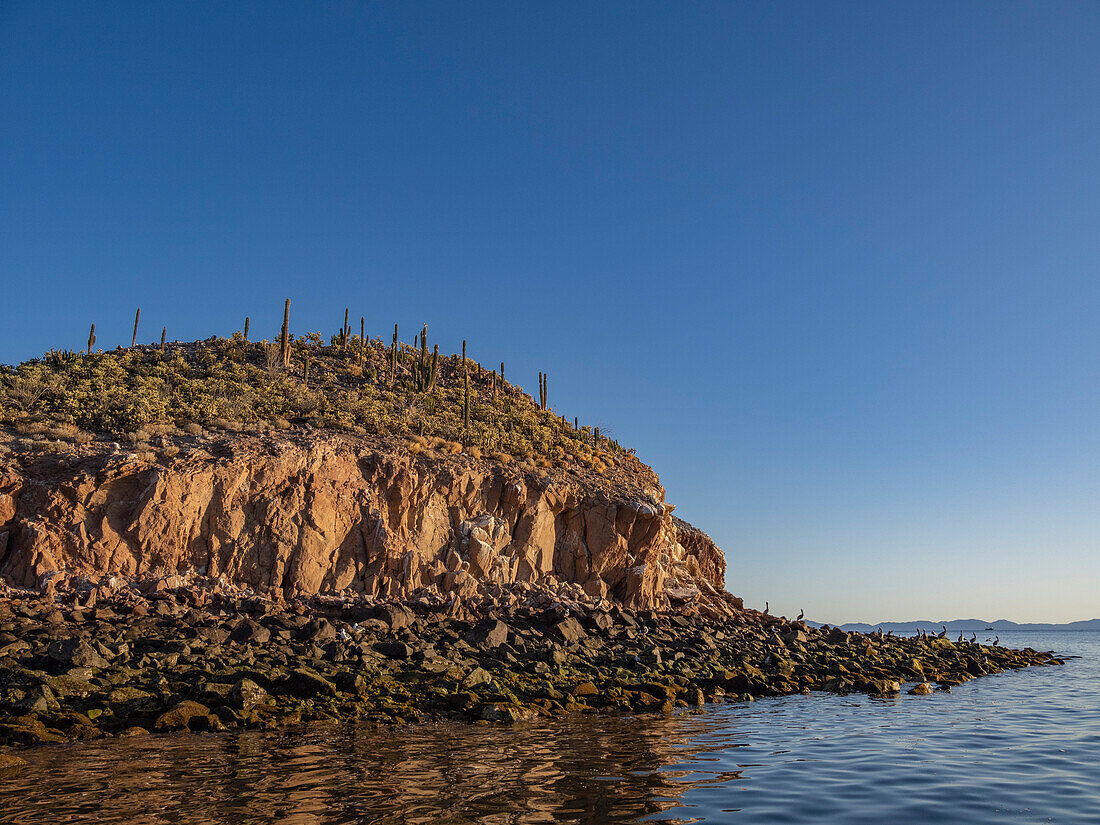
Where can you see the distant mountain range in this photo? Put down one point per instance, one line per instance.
(965, 625)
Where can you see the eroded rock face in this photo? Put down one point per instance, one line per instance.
(329, 515)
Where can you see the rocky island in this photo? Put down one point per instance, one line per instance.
(226, 534)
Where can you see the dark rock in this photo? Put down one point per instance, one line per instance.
(568, 630)
(504, 712)
(245, 695)
(395, 615)
(489, 634)
(477, 676)
(394, 650)
(75, 653)
(10, 763)
(307, 684)
(318, 630)
(248, 631)
(183, 715)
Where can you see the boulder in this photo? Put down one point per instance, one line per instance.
(396, 616)
(306, 684)
(10, 763)
(245, 695)
(75, 653)
(489, 634)
(317, 630)
(505, 712)
(248, 631)
(568, 631)
(394, 650)
(477, 676)
(182, 716)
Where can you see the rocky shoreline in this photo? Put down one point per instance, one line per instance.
(89, 663)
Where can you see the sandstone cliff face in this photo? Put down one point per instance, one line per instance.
(331, 515)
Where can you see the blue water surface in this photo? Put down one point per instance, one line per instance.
(1018, 747)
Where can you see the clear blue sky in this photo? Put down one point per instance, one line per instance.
(831, 268)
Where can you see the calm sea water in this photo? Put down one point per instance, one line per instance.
(1013, 748)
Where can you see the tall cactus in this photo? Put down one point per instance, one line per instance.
(137, 317)
(466, 401)
(434, 375)
(91, 339)
(285, 337)
(163, 338)
(393, 357)
(345, 333)
(246, 320)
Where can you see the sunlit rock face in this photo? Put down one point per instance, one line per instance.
(327, 514)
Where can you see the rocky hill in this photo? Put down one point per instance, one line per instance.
(347, 468)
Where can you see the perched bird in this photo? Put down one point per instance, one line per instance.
(943, 633)
(973, 638)
(801, 613)
(996, 640)
(960, 637)
(767, 606)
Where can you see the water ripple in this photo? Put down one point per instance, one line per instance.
(1017, 748)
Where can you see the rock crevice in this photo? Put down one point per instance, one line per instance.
(331, 515)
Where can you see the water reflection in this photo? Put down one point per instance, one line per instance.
(581, 770)
(1015, 747)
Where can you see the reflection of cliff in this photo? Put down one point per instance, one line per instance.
(585, 769)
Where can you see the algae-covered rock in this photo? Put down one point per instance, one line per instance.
(10, 763)
(245, 695)
(306, 684)
(181, 716)
(503, 712)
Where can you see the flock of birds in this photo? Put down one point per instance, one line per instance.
(924, 634)
(921, 633)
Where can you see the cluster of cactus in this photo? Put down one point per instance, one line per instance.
(423, 367)
(425, 370)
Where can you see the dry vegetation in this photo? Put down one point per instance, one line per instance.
(141, 394)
